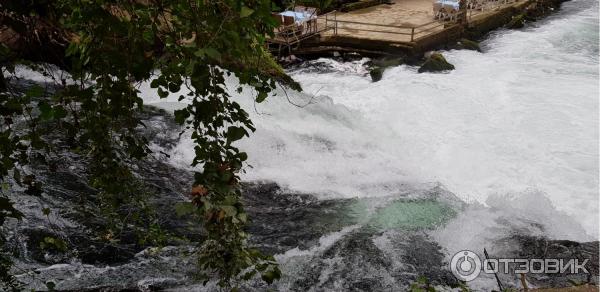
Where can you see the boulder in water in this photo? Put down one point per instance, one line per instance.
(379, 65)
(376, 73)
(517, 21)
(469, 45)
(388, 62)
(436, 63)
(352, 56)
(534, 247)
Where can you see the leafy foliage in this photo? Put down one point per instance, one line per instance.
(115, 45)
(421, 285)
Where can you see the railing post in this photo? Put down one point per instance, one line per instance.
(412, 34)
(336, 24)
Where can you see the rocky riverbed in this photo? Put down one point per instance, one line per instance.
(369, 244)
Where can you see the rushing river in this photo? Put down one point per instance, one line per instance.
(513, 131)
(413, 168)
(514, 127)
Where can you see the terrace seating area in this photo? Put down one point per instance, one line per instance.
(403, 22)
(296, 24)
(448, 9)
(445, 9)
(407, 21)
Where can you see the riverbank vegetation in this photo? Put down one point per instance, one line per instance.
(109, 48)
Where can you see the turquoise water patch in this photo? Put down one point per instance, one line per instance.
(420, 214)
(403, 214)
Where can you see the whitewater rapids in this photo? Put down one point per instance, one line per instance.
(514, 127)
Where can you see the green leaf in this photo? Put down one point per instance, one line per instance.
(181, 115)
(209, 52)
(54, 243)
(154, 83)
(235, 133)
(247, 276)
(59, 112)
(243, 217)
(212, 53)
(162, 93)
(245, 12)
(17, 176)
(261, 96)
(35, 91)
(7, 210)
(230, 211)
(271, 275)
(148, 35)
(200, 53)
(184, 208)
(45, 110)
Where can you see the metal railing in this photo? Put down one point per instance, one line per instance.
(296, 32)
(373, 27)
(412, 31)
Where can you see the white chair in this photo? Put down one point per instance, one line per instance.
(437, 10)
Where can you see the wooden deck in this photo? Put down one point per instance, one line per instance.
(408, 24)
(404, 21)
(286, 38)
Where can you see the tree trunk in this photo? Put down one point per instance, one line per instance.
(34, 37)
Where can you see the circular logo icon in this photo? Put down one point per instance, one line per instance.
(465, 265)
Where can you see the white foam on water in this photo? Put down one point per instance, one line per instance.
(519, 119)
(325, 242)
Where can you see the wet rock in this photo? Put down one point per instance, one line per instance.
(359, 248)
(322, 245)
(301, 219)
(45, 245)
(517, 21)
(156, 284)
(65, 214)
(436, 63)
(531, 247)
(469, 45)
(376, 73)
(378, 66)
(150, 270)
(352, 56)
(353, 263)
(540, 9)
(426, 259)
(543, 248)
(368, 260)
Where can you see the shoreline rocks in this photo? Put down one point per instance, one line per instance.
(378, 66)
(517, 21)
(469, 45)
(435, 63)
(376, 73)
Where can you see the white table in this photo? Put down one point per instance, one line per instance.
(299, 17)
(453, 4)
